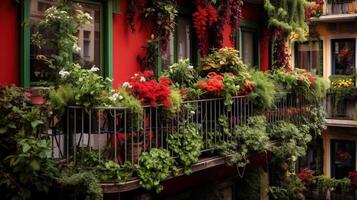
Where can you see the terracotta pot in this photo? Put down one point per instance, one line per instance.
(133, 152)
(38, 95)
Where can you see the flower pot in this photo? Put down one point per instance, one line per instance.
(38, 95)
(133, 151)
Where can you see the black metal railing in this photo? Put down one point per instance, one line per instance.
(122, 135)
(340, 108)
(335, 7)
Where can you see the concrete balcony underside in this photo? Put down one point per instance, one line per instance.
(335, 18)
(341, 123)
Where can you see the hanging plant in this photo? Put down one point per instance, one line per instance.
(230, 11)
(131, 13)
(162, 14)
(288, 16)
(280, 54)
(203, 19)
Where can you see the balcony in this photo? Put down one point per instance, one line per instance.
(341, 113)
(121, 135)
(337, 11)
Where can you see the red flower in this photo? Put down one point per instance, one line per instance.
(247, 88)
(353, 177)
(150, 91)
(306, 176)
(214, 83)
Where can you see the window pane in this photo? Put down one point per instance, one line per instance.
(307, 56)
(168, 55)
(248, 47)
(183, 38)
(343, 158)
(89, 37)
(38, 69)
(343, 56)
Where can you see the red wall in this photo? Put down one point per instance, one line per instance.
(9, 43)
(128, 45)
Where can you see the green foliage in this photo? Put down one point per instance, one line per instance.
(105, 170)
(182, 74)
(186, 143)
(155, 166)
(89, 88)
(123, 99)
(315, 119)
(30, 169)
(84, 185)
(324, 184)
(176, 102)
(288, 15)
(290, 188)
(225, 60)
(263, 94)
(57, 31)
(60, 98)
(290, 141)
(244, 140)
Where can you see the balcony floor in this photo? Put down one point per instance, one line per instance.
(341, 123)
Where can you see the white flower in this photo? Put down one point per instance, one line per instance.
(76, 48)
(135, 74)
(108, 79)
(127, 85)
(142, 79)
(190, 67)
(94, 69)
(192, 112)
(63, 73)
(120, 97)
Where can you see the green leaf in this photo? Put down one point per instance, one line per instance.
(35, 165)
(35, 123)
(25, 148)
(3, 130)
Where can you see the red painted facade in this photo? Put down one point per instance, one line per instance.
(127, 45)
(9, 42)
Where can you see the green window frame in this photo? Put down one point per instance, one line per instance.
(106, 38)
(248, 26)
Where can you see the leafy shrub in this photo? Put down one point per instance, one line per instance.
(182, 74)
(187, 144)
(263, 93)
(155, 166)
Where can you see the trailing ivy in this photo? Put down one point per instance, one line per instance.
(186, 143)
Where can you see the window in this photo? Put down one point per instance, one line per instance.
(248, 43)
(313, 158)
(343, 56)
(308, 55)
(343, 158)
(180, 44)
(94, 39)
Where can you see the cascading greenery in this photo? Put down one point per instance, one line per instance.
(288, 15)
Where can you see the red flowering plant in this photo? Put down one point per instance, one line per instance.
(306, 175)
(353, 178)
(301, 82)
(224, 85)
(148, 90)
(314, 10)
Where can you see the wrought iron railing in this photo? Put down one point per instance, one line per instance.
(335, 7)
(340, 107)
(122, 135)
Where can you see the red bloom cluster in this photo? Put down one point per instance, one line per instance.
(247, 88)
(203, 18)
(353, 177)
(314, 10)
(214, 83)
(306, 175)
(149, 91)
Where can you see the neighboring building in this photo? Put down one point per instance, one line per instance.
(331, 53)
(109, 44)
